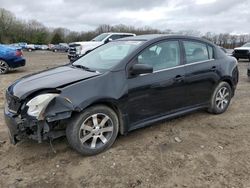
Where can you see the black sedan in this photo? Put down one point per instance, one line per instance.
(118, 87)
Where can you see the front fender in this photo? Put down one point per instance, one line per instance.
(59, 108)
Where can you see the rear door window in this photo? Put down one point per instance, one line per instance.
(196, 52)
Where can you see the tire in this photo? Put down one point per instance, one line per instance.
(221, 98)
(4, 67)
(85, 132)
(30, 50)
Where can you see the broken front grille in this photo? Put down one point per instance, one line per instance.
(13, 103)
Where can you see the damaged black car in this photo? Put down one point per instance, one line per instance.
(118, 87)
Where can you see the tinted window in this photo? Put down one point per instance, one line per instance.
(195, 51)
(123, 36)
(114, 37)
(161, 56)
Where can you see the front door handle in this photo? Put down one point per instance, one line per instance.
(213, 68)
(179, 78)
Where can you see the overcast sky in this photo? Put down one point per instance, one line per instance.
(231, 16)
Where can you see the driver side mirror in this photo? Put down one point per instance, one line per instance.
(138, 69)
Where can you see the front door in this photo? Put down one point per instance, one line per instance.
(161, 92)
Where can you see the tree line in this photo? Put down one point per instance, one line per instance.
(13, 30)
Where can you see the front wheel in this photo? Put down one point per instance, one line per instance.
(4, 67)
(93, 131)
(221, 98)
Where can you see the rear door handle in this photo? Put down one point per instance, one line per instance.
(179, 78)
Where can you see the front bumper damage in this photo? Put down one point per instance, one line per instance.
(51, 127)
(19, 128)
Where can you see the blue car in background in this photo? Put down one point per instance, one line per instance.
(10, 58)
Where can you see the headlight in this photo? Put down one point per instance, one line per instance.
(38, 104)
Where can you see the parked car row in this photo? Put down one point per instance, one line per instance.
(61, 47)
(75, 50)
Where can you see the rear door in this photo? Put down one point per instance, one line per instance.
(201, 71)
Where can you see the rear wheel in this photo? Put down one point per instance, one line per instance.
(93, 131)
(4, 67)
(221, 98)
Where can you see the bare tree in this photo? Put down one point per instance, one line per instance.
(6, 20)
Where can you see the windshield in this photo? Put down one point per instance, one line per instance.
(100, 37)
(247, 45)
(107, 56)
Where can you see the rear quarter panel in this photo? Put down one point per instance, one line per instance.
(229, 70)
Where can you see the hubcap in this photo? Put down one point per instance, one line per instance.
(222, 98)
(96, 131)
(3, 67)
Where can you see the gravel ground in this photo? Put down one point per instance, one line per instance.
(197, 150)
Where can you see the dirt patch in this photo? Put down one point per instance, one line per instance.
(213, 151)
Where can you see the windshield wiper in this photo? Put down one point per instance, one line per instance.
(84, 68)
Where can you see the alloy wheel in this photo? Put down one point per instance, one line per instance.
(3, 67)
(222, 98)
(96, 131)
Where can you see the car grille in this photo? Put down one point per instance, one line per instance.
(13, 103)
(241, 52)
(74, 49)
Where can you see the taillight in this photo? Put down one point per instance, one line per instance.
(19, 53)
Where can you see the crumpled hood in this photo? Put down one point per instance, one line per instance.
(49, 79)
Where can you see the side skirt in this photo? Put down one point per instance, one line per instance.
(166, 117)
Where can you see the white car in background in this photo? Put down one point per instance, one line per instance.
(242, 52)
(77, 49)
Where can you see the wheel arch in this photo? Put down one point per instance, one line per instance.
(112, 104)
(230, 82)
(5, 60)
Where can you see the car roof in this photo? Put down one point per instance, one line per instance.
(162, 36)
(120, 33)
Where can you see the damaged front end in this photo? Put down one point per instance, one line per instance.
(39, 118)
